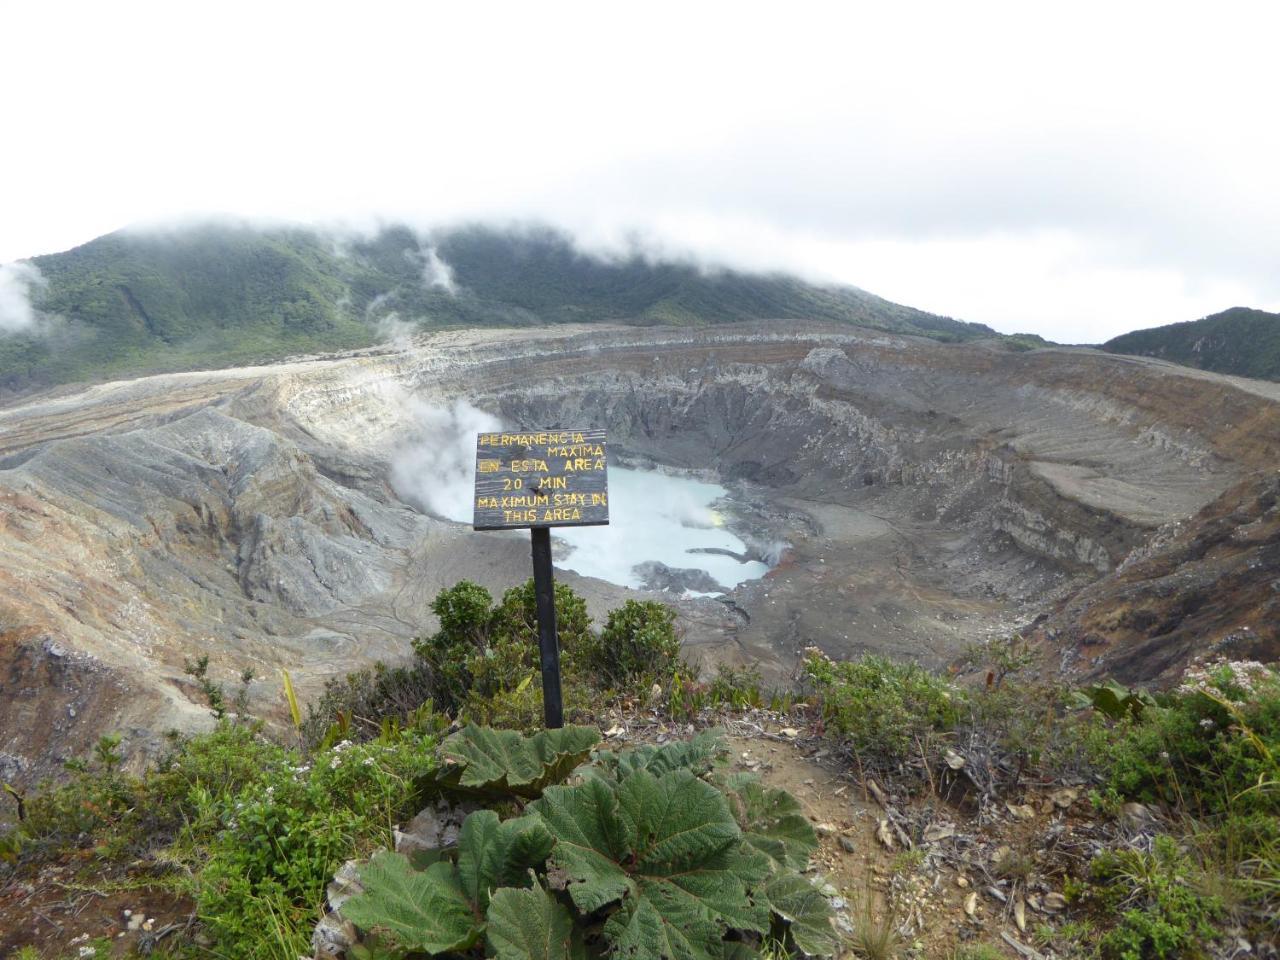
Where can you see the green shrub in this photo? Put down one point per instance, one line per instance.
(483, 664)
(638, 646)
(1151, 895)
(883, 710)
(357, 705)
(282, 838)
(481, 652)
(1209, 749)
(516, 618)
(120, 814)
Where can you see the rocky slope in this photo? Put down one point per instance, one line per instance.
(933, 495)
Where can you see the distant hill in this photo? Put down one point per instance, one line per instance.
(144, 301)
(1241, 341)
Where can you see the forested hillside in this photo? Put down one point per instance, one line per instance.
(1240, 341)
(144, 301)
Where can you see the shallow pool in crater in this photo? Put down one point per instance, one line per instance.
(659, 518)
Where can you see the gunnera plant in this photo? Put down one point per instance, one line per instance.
(645, 854)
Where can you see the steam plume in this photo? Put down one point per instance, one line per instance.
(437, 273)
(434, 469)
(18, 281)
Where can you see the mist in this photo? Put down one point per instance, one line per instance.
(436, 273)
(18, 283)
(434, 466)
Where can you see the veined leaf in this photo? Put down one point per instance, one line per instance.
(494, 854)
(592, 840)
(675, 820)
(668, 847)
(772, 821)
(531, 925)
(807, 912)
(418, 911)
(488, 762)
(439, 908)
(696, 755)
(640, 931)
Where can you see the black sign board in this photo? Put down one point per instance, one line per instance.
(541, 478)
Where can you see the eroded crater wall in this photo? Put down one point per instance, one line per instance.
(932, 496)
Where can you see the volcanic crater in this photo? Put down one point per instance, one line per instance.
(930, 496)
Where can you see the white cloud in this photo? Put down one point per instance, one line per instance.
(1114, 151)
(18, 283)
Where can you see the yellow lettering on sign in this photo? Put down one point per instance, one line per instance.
(489, 466)
(525, 466)
(525, 500)
(561, 515)
(577, 450)
(554, 483)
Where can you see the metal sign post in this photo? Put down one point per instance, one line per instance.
(542, 479)
(544, 588)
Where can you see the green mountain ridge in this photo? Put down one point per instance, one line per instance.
(135, 301)
(1240, 341)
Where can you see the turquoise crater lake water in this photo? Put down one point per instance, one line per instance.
(659, 518)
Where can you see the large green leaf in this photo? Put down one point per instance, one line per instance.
(531, 925)
(592, 840)
(494, 854)
(486, 762)
(668, 848)
(418, 911)
(772, 821)
(641, 931)
(675, 819)
(806, 911)
(440, 907)
(696, 755)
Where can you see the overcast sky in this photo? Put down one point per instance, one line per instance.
(1070, 169)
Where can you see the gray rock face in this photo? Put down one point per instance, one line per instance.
(659, 576)
(932, 495)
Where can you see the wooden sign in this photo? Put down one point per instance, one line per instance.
(541, 478)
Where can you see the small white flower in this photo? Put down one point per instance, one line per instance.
(1207, 723)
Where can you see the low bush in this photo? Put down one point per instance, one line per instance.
(355, 706)
(259, 828)
(119, 814)
(1208, 753)
(883, 710)
(280, 841)
(482, 651)
(1211, 746)
(482, 664)
(637, 647)
(1150, 897)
